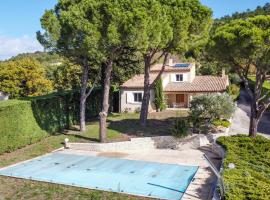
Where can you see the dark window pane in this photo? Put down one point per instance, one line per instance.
(137, 97)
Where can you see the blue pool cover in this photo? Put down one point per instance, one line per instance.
(155, 180)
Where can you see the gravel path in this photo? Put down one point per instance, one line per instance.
(240, 123)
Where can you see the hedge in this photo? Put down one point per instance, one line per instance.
(18, 126)
(26, 121)
(251, 177)
(59, 111)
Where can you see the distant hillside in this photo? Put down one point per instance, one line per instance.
(260, 10)
(46, 59)
(50, 61)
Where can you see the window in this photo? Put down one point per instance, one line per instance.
(137, 97)
(179, 77)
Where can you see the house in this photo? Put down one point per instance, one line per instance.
(3, 96)
(180, 85)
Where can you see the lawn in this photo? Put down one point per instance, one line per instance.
(251, 177)
(120, 127)
(266, 84)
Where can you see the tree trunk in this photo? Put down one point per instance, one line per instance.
(84, 80)
(254, 120)
(105, 102)
(146, 94)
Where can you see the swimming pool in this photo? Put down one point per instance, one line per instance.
(150, 179)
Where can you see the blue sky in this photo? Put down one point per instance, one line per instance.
(225, 7)
(19, 21)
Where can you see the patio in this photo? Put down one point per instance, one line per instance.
(177, 100)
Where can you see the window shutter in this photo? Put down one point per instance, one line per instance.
(130, 97)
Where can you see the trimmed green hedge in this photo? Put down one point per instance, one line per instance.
(251, 177)
(26, 121)
(59, 111)
(18, 126)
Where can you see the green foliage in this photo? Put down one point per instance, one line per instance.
(45, 59)
(234, 91)
(221, 122)
(94, 30)
(18, 126)
(235, 79)
(67, 77)
(260, 10)
(159, 96)
(49, 61)
(246, 43)
(209, 68)
(59, 110)
(207, 107)
(212, 106)
(251, 177)
(266, 84)
(180, 127)
(23, 77)
(27, 121)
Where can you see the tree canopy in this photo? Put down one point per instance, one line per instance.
(96, 35)
(23, 77)
(175, 27)
(244, 44)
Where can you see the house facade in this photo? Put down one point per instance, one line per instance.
(180, 85)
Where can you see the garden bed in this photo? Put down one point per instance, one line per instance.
(251, 177)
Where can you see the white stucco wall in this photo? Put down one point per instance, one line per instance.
(165, 79)
(192, 72)
(187, 76)
(126, 103)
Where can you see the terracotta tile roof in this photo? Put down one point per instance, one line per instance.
(158, 67)
(138, 81)
(200, 84)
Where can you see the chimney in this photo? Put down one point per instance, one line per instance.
(171, 62)
(223, 73)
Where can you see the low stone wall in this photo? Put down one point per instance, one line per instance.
(133, 144)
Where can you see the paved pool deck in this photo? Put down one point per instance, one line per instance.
(199, 189)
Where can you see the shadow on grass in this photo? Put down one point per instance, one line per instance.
(90, 139)
(75, 132)
(155, 127)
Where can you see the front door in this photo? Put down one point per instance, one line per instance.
(180, 98)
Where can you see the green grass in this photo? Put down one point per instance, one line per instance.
(266, 84)
(251, 177)
(119, 126)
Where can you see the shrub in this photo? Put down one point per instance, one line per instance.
(251, 177)
(207, 107)
(159, 96)
(235, 79)
(180, 128)
(23, 77)
(234, 91)
(221, 122)
(27, 121)
(18, 126)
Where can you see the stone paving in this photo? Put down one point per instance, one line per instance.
(240, 122)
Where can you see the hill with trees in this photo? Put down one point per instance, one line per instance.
(260, 10)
